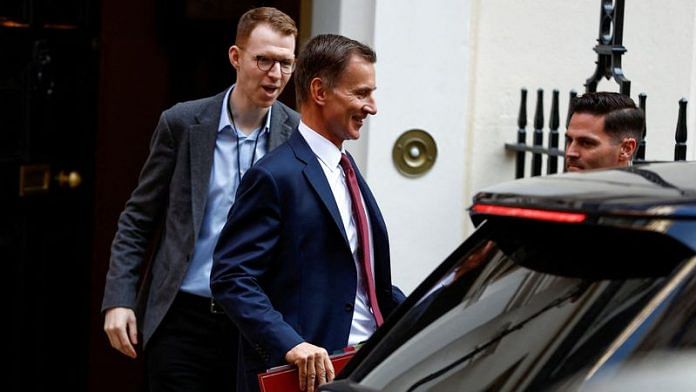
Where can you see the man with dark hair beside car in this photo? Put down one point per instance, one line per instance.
(603, 131)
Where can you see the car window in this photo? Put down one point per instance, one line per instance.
(501, 311)
(664, 328)
(673, 322)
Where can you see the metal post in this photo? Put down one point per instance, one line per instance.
(571, 100)
(610, 47)
(680, 134)
(521, 134)
(554, 121)
(538, 133)
(640, 155)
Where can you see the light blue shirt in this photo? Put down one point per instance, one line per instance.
(222, 187)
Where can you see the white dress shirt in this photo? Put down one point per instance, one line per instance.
(329, 156)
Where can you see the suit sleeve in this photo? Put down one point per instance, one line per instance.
(243, 255)
(397, 295)
(139, 220)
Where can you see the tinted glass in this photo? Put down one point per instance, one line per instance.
(655, 344)
(507, 311)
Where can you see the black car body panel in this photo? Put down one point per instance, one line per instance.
(667, 189)
(565, 277)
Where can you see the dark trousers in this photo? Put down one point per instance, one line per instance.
(194, 349)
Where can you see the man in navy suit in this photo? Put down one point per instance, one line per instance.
(288, 267)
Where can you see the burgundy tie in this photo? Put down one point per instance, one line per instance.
(363, 235)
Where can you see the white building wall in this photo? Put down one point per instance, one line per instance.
(423, 70)
(660, 37)
(455, 67)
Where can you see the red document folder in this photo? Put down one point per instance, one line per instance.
(286, 378)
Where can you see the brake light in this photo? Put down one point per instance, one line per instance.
(530, 213)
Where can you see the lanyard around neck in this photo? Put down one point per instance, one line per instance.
(236, 135)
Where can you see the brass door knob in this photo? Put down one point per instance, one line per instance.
(71, 180)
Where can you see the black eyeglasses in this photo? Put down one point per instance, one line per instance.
(266, 64)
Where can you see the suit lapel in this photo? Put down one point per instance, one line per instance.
(280, 128)
(316, 178)
(202, 137)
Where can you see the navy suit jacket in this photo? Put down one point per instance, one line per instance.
(283, 269)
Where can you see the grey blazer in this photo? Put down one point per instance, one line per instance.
(169, 201)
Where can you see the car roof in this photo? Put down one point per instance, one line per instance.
(664, 189)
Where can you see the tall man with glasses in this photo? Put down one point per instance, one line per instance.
(199, 153)
(302, 265)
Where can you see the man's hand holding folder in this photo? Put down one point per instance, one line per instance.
(313, 364)
(305, 374)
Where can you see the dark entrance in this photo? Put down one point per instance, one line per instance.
(82, 83)
(48, 102)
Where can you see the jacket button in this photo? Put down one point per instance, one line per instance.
(349, 307)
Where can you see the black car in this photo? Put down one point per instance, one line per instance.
(567, 279)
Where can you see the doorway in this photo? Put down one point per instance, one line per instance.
(48, 84)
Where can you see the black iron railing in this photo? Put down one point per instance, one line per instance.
(609, 50)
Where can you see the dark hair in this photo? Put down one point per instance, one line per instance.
(622, 118)
(326, 56)
(273, 17)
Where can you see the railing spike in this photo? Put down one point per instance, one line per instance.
(554, 120)
(640, 155)
(539, 112)
(522, 117)
(538, 133)
(571, 100)
(680, 133)
(521, 133)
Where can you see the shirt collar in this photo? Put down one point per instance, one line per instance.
(225, 119)
(325, 151)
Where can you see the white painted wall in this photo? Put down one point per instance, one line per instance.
(422, 73)
(661, 37)
(455, 68)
